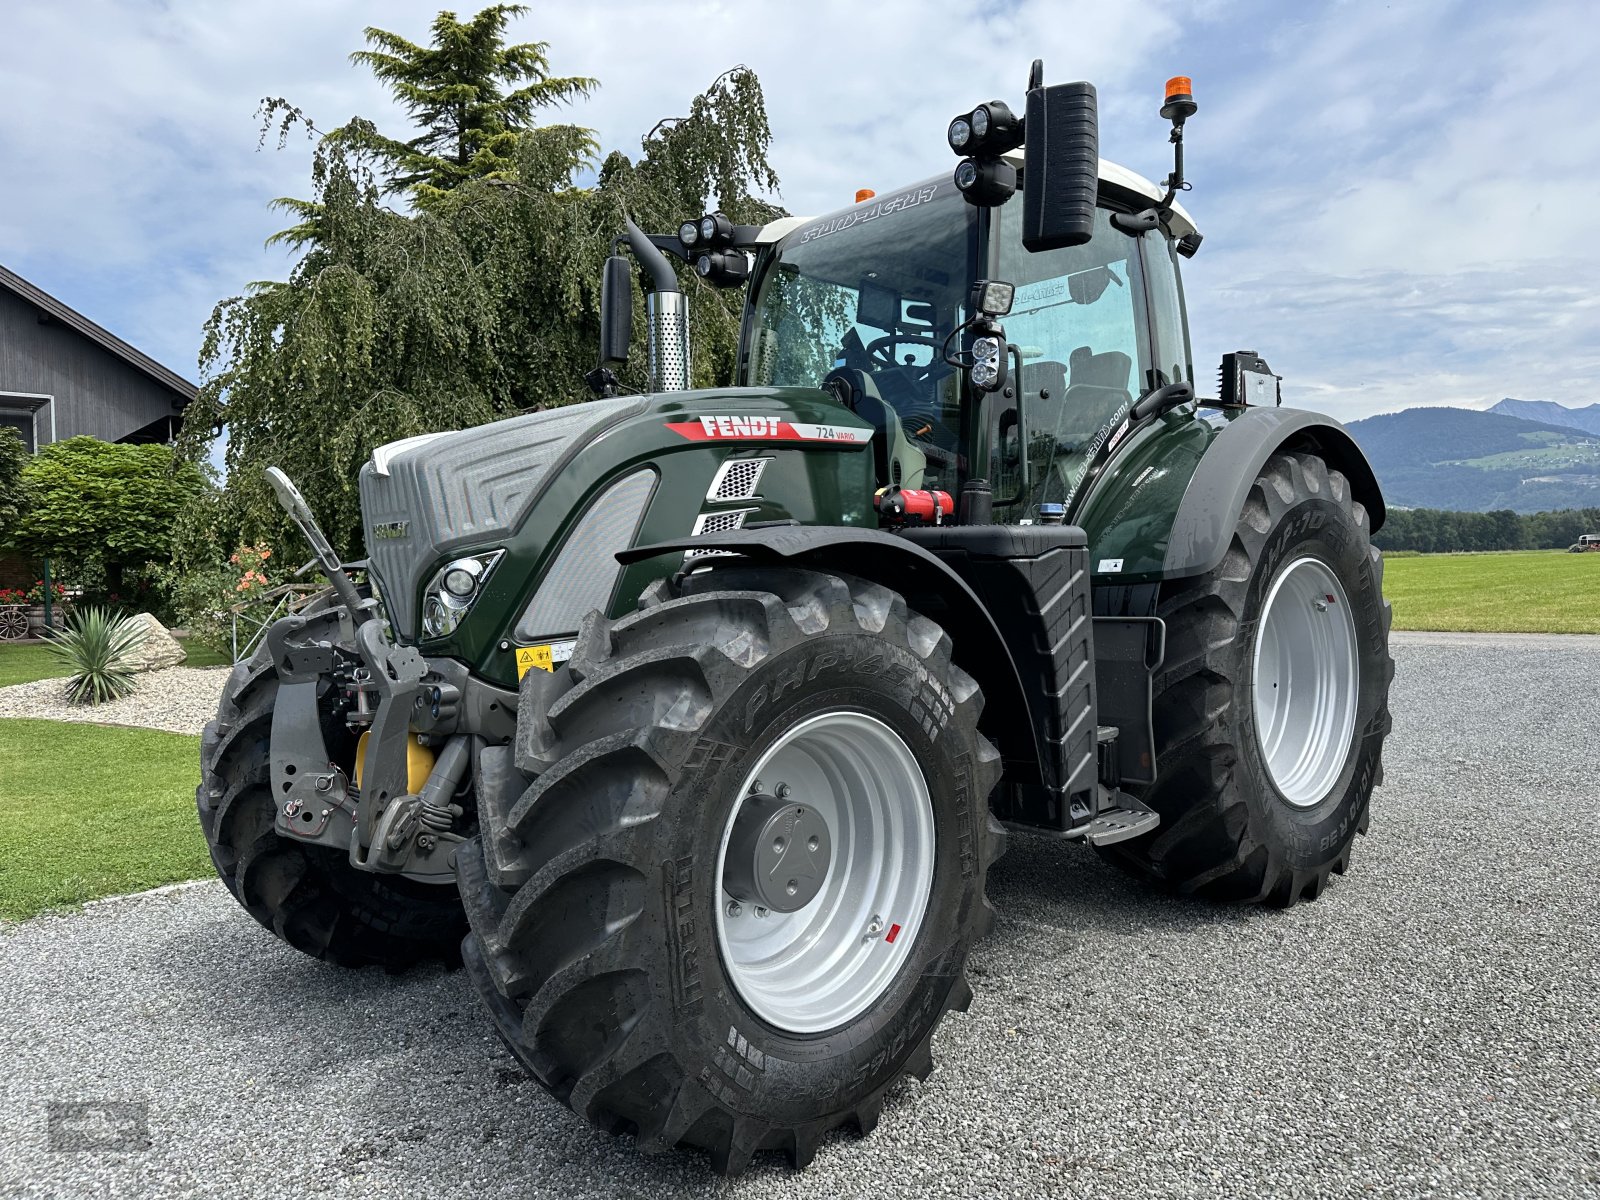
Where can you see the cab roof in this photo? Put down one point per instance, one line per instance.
(1111, 173)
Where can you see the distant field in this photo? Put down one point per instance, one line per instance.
(1528, 591)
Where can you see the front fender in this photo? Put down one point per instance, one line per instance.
(929, 585)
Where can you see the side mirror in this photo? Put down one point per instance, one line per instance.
(616, 310)
(1060, 166)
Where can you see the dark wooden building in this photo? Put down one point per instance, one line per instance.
(62, 376)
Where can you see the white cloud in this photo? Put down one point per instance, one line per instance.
(1393, 196)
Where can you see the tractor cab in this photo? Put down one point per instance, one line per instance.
(870, 302)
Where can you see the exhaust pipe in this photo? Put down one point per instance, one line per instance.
(668, 312)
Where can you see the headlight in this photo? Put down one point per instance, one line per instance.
(985, 373)
(986, 347)
(453, 590)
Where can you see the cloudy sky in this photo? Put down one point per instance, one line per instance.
(1393, 196)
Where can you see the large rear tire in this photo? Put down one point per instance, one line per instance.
(307, 895)
(619, 968)
(1272, 707)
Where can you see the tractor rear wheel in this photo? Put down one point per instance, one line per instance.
(1272, 706)
(738, 891)
(308, 895)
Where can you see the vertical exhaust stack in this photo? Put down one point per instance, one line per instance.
(667, 309)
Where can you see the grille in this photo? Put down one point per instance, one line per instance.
(738, 479)
(585, 571)
(721, 522)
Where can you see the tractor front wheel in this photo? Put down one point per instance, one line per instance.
(738, 892)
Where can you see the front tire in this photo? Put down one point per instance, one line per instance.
(1261, 787)
(307, 895)
(600, 916)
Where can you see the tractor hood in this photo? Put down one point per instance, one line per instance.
(426, 496)
(597, 473)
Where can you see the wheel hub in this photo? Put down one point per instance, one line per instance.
(1306, 681)
(817, 957)
(778, 854)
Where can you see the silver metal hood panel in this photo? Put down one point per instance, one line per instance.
(465, 488)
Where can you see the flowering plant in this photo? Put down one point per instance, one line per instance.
(252, 559)
(12, 596)
(58, 592)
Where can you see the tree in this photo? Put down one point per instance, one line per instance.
(461, 92)
(13, 458)
(91, 502)
(481, 303)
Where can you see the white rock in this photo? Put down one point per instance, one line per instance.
(160, 648)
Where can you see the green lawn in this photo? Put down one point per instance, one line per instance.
(24, 664)
(94, 810)
(1529, 591)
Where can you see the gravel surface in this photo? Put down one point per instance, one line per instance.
(180, 699)
(1429, 1027)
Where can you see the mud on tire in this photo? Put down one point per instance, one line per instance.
(591, 890)
(1225, 831)
(307, 895)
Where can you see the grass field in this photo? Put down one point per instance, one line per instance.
(94, 810)
(24, 664)
(1527, 591)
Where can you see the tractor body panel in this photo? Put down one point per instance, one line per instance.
(638, 469)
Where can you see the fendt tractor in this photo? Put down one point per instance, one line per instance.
(692, 721)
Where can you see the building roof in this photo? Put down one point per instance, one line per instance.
(104, 338)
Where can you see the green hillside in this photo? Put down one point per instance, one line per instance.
(1475, 461)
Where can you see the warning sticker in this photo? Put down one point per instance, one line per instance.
(529, 657)
(545, 657)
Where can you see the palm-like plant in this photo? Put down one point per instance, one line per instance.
(98, 646)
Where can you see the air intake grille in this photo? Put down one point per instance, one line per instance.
(721, 522)
(738, 479)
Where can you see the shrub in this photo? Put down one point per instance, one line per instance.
(97, 646)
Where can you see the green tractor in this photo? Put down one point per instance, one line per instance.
(692, 721)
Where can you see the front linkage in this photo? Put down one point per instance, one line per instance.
(394, 809)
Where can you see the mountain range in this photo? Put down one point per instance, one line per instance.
(1525, 455)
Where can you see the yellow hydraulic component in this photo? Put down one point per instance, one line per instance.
(419, 761)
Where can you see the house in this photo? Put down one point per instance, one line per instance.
(62, 376)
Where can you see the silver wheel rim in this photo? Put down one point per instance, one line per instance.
(1306, 679)
(825, 964)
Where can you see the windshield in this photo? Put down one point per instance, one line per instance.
(1077, 320)
(868, 296)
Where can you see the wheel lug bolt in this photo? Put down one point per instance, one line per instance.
(783, 791)
(755, 787)
(761, 912)
(734, 908)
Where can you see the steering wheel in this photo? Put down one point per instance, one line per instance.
(881, 350)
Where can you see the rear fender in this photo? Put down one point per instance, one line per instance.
(1166, 504)
(1203, 528)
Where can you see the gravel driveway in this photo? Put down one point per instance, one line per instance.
(179, 699)
(1429, 1027)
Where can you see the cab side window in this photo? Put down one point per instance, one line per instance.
(1174, 363)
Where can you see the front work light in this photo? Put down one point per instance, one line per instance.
(723, 268)
(992, 297)
(689, 233)
(988, 369)
(986, 182)
(989, 129)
